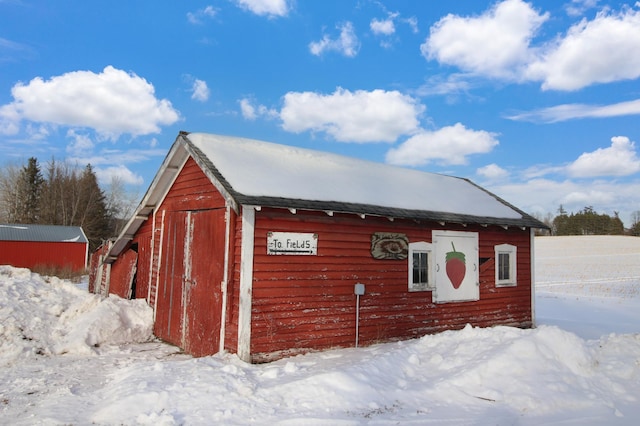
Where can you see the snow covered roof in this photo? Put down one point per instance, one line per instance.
(258, 173)
(268, 174)
(42, 233)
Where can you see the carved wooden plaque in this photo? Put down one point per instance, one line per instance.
(389, 245)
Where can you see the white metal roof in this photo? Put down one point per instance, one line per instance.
(41, 233)
(261, 169)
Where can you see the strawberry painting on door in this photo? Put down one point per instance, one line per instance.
(456, 258)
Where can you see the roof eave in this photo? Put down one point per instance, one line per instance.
(525, 221)
(164, 178)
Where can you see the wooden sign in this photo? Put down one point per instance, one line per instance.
(389, 245)
(292, 243)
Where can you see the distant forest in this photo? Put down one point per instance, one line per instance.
(588, 222)
(62, 195)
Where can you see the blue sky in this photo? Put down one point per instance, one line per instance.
(536, 101)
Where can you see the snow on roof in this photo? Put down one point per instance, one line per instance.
(261, 170)
(41, 233)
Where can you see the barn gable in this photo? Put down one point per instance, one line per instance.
(287, 234)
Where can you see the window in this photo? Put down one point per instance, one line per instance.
(505, 265)
(420, 272)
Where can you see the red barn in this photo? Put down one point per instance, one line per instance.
(43, 246)
(268, 250)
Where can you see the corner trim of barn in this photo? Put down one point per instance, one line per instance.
(246, 280)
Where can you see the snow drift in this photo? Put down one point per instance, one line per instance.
(49, 316)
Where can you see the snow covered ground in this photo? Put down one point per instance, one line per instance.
(67, 357)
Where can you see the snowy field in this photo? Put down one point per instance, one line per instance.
(67, 357)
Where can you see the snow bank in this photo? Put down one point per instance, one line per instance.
(48, 316)
(498, 375)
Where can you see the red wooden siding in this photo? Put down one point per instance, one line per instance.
(143, 242)
(203, 294)
(129, 273)
(191, 190)
(123, 273)
(307, 302)
(233, 286)
(188, 263)
(170, 305)
(34, 254)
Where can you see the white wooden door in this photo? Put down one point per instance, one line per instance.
(456, 260)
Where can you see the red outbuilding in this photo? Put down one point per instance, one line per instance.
(267, 250)
(43, 247)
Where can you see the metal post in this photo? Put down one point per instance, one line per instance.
(358, 289)
(357, 317)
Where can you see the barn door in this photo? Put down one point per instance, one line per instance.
(189, 296)
(204, 274)
(170, 306)
(456, 259)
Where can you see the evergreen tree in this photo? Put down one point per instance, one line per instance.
(28, 190)
(92, 214)
(35, 181)
(588, 222)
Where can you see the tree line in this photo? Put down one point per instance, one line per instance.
(588, 222)
(62, 195)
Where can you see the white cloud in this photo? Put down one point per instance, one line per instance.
(108, 157)
(270, 8)
(112, 103)
(539, 170)
(585, 196)
(80, 144)
(494, 44)
(448, 145)
(492, 172)
(603, 50)
(451, 85)
(248, 110)
(9, 119)
(347, 43)
(105, 175)
(619, 159)
(498, 44)
(251, 112)
(200, 90)
(413, 23)
(384, 27)
(197, 17)
(10, 45)
(360, 116)
(573, 111)
(578, 7)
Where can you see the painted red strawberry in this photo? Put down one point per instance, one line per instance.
(456, 268)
